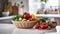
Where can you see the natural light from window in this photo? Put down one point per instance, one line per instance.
(52, 3)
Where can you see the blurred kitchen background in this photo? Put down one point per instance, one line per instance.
(11, 7)
(8, 8)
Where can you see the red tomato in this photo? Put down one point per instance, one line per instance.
(36, 26)
(43, 26)
(26, 15)
(40, 23)
(46, 26)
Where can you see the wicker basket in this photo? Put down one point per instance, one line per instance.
(25, 24)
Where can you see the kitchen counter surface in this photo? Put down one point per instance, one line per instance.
(7, 17)
(37, 15)
(11, 29)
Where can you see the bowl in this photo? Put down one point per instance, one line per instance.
(5, 13)
(25, 24)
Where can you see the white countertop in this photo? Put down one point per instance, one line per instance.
(6, 28)
(7, 17)
(51, 33)
(48, 15)
(37, 15)
(11, 29)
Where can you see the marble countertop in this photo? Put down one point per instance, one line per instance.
(11, 29)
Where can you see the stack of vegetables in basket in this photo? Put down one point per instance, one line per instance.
(24, 21)
(31, 21)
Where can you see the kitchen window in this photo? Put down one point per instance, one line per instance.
(35, 5)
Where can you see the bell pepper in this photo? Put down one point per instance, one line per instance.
(33, 16)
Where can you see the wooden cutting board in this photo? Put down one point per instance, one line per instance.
(15, 10)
